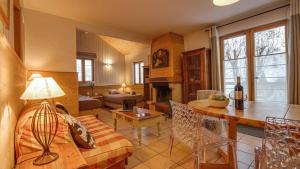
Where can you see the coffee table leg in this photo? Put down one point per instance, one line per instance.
(115, 124)
(158, 128)
(139, 135)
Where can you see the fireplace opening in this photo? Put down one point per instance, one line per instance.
(163, 92)
(162, 96)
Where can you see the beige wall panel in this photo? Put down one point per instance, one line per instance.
(12, 85)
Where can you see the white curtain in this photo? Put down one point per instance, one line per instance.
(294, 52)
(215, 59)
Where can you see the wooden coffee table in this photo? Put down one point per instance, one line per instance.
(143, 118)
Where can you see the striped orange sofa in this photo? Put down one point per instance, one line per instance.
(112, 149)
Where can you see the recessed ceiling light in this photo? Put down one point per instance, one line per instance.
(224, 2)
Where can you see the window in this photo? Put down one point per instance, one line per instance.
(270, 65)
(235, 62)
(138, 72)
(85, 69)
(259, 56)
(79, 69)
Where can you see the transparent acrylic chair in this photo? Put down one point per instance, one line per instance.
(187, 128)
(215, 125)
(281, 145)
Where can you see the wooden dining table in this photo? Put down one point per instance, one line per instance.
(254, 113)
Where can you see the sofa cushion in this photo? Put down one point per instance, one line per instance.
(111, 148)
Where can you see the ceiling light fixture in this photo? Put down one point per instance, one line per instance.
(224, 2)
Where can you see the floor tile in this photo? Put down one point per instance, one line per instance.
(212, 155)
(242, 165)
(177, 155)
(246, 147)
(183, 147)
(158, 146)
(160, 162)
(244, 157)
(167, 140)
(141, 166)
(187, 162)
(144, 154)
(250, 140)
(132, 162)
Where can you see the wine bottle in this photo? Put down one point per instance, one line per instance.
(238, 95)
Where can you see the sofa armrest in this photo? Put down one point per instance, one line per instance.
(69, 157)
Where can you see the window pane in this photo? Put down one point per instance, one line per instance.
(136, 73)
(142, 72)
(79, 69)
(235, 63)
(270, 65)
(88, 70)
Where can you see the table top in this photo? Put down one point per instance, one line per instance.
(142, 114)
(294, 112)
(254, 113)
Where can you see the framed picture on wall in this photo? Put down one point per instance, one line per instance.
(160, 58)
(5, 12)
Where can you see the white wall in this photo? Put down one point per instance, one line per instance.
(113, 75)
(200, 38)
(196, 40)
(86, 42)
(50, 42)
(259, 20)
(135, 57)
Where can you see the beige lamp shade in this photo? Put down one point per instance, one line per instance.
(224, 2)
(123, 85)
(42, 88)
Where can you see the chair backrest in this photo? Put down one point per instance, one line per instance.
(204, 94)
(186, 124)
(281, 145)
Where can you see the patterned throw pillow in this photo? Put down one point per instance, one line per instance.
(78, 131)
(60, 108)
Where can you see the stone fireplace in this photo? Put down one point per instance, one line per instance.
(165, 81)
(162, 92)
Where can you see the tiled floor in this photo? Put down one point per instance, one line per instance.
(153, 153)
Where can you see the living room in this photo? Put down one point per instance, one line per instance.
(149, 84)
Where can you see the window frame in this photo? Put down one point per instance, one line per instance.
(140, 74)
(83, 59)
(250, 51)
